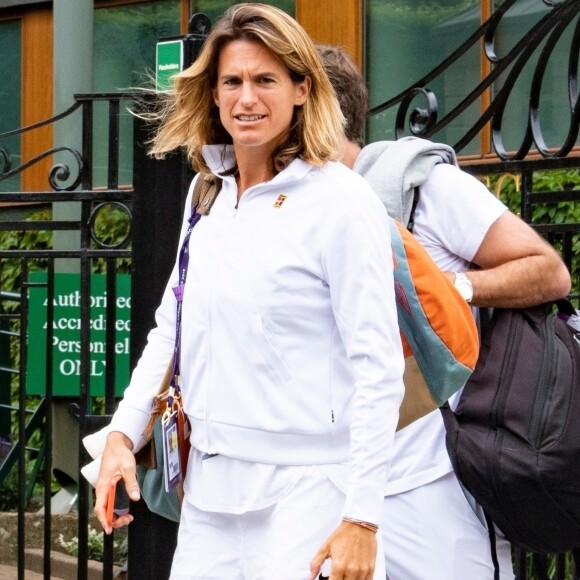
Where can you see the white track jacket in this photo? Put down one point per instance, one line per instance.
(291, 353)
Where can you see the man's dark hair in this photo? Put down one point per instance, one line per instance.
(350, 89)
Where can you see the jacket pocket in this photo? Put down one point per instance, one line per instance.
(270, 350)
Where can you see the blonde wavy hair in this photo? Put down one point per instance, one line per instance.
(189, 116)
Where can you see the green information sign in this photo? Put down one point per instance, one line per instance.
(66, 337)
(169, 61)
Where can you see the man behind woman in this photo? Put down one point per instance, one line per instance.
(431, 527)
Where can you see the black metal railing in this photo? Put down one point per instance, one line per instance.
(73, 185)
(152, 205)
(544, 36)
(558, 28)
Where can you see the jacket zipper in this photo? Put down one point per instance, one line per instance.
(208, 393)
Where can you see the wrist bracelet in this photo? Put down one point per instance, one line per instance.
(372, 527)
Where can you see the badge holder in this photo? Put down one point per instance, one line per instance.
(176, 445)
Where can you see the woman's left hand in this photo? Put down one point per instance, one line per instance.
(117, 462)
(353, 551)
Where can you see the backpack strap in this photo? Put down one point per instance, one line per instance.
(492, 545)
(411, 222)
(205, 191)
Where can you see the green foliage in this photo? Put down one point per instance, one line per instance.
(23, 240)
(37, 239)
(560, 212)
(9, 487)
(112, 228)
(95, 545)
(112, 225)
(545, 181)
(9, 492)
(551, 572)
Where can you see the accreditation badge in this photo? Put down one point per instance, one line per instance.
(171, 452)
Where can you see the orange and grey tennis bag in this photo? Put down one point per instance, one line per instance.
(440, 339)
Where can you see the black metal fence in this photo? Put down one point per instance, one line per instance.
(36, 270)
(76, 282)
(556, 35)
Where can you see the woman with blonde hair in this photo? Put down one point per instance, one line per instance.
(291, 362)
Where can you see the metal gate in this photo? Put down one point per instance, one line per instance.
(416, 111)
(72, 291)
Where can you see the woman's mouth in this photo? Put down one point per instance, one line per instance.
(248, 118)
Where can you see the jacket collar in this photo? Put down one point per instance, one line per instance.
(220, 158)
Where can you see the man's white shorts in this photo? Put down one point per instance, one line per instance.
(433, 532)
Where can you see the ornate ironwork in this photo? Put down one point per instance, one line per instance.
(5, 161)
(423, 121)
(102, 207)
(63, 176)
(60, 172)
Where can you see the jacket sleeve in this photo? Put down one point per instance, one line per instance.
(358, 261)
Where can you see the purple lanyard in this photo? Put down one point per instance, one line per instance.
(178, 291)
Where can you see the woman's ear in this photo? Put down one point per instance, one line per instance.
(302, 91)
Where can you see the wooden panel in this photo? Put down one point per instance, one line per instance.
(485, 70)
(334, 22)
(37, 64)
(184, 16)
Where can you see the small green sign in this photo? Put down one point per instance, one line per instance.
(169, 61)
(66, 345)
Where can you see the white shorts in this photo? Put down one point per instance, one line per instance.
(432, 532)
(277, 542)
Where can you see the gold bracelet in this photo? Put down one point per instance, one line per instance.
(372, 527)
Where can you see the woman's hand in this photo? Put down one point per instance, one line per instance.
(353, 551)
(117, 462)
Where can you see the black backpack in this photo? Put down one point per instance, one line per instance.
(514, 439)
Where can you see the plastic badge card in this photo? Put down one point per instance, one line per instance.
(171, 455)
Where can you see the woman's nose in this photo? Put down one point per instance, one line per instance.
(248, 95)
